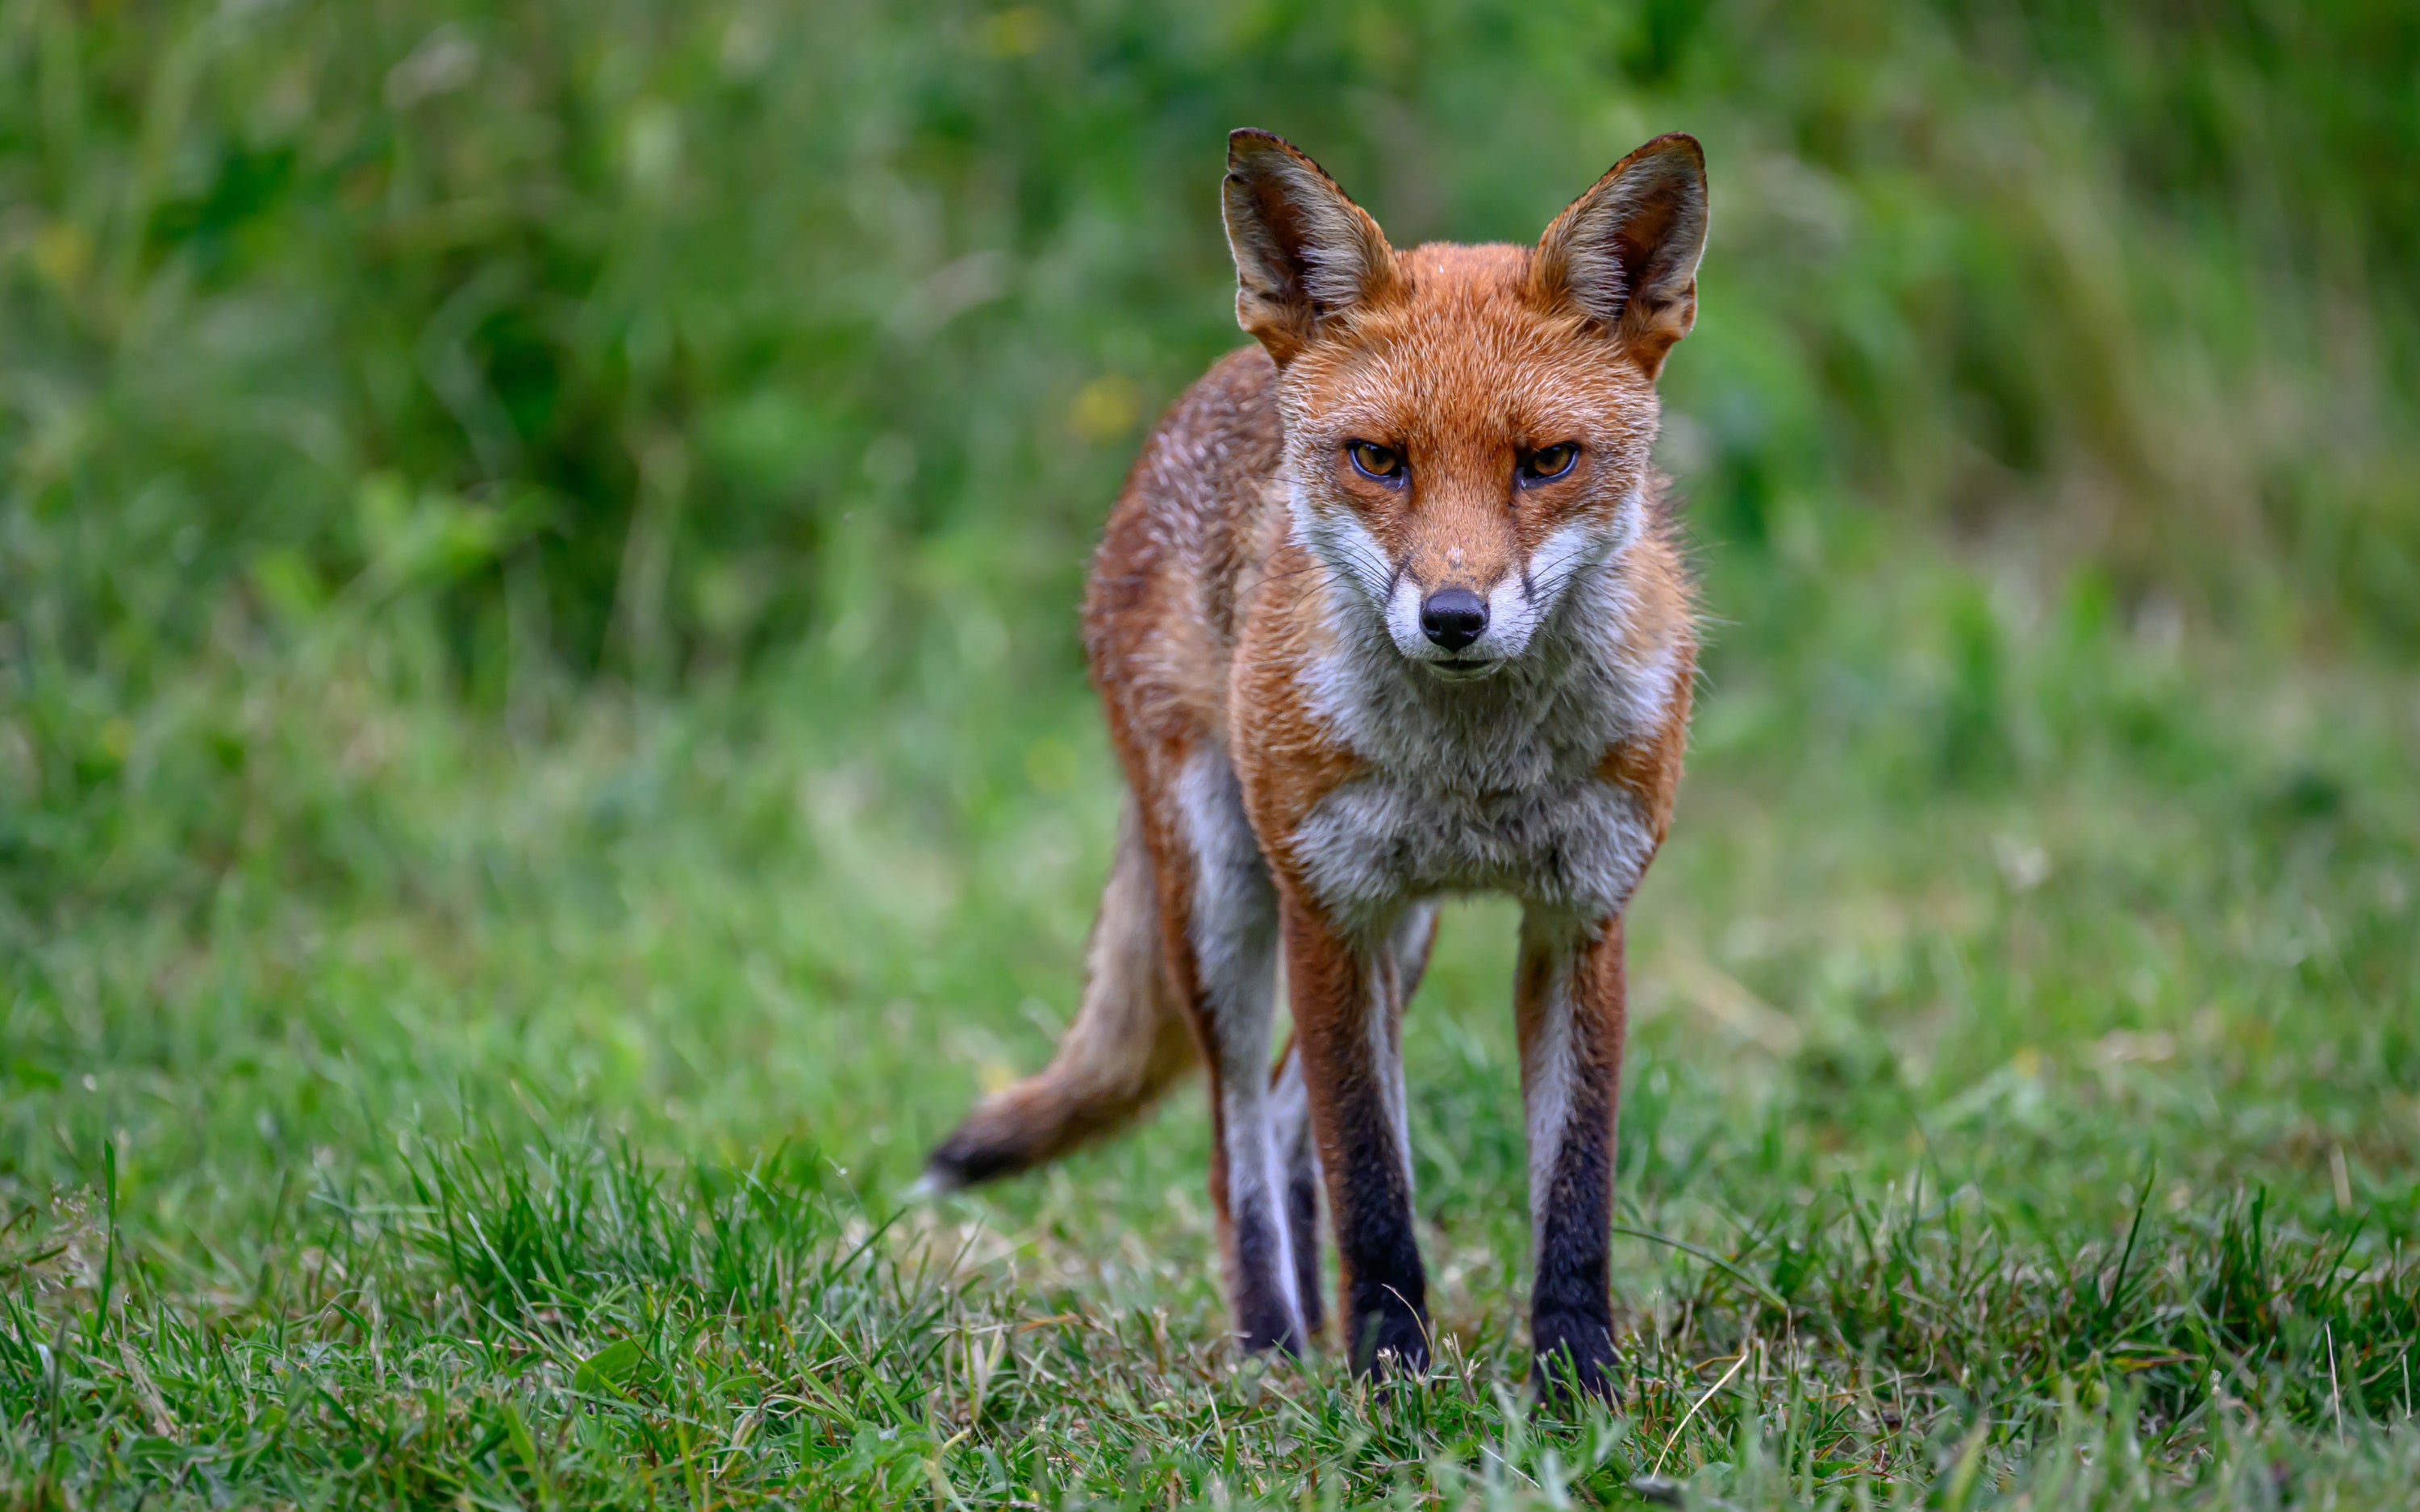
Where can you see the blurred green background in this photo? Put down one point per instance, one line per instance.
(539, 547)
(643, 342)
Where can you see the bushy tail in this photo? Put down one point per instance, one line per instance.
(1128, 1042)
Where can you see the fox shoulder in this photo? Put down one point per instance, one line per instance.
(1664, 629)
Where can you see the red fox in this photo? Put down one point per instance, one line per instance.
(1391, 609)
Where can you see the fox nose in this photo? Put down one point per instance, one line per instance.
(1454, 617)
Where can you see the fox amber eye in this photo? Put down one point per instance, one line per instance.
(1548, 463)
(1374, 461)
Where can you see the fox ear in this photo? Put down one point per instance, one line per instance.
(1304, 253)
(1625, 253)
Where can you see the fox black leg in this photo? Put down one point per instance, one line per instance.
(1347, 1023)
(1570, 1004)
(1291, 1104)
(1290, 1107)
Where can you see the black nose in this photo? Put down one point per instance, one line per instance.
(1454, 617)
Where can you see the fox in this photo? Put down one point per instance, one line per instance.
(1392, 607)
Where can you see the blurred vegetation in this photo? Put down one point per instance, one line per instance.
(662, 329)
(640, 339)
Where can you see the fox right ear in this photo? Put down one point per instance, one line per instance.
(1304, 253)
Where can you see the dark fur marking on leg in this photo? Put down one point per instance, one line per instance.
(1386, 1294)
(1572, 1303)
(1570, 1300)
(1336, 987)
(1262, 1319)
(1302, 1218)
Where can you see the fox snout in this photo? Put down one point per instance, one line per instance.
(1461, 626)
(1452, 618)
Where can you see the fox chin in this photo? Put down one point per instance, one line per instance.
(1390, 610)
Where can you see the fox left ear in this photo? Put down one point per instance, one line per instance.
(1625, 253)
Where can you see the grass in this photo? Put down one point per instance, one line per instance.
(543, 759)
(2020, 1107)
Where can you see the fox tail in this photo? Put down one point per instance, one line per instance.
(1128, 1043)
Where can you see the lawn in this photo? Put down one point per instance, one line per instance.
(544, 757)
(2021, 1104)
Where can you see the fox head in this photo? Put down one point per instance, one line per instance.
(1466, 427)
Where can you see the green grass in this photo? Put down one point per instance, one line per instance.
(2022, 1098)
(543, 757)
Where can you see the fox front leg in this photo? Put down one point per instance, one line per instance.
(1569, 1000)
(1413, 938)
(1347, 1012)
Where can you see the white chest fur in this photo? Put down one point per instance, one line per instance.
(1488, 786)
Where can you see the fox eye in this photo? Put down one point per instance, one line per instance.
(1548, 463)
(1372, 460)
